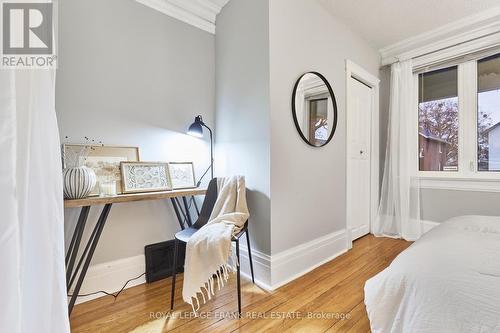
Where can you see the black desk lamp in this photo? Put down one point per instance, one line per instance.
(196, 129)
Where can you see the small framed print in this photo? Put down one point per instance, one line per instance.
(145, 177)
(182, 175)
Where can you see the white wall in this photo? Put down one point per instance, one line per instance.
(129, 75)
(307, 183)
(242, 107)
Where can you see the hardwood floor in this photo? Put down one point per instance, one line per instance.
(332, 294)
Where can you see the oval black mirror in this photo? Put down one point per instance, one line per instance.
(314, 109)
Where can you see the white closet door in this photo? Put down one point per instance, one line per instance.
(360, 104)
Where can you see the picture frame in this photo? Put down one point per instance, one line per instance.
(140, 177)
(182, 175)
(104, 160)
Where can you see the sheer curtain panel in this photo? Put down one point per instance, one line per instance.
(399, 209)
(32, 278)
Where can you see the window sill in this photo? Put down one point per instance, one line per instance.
(460, 184)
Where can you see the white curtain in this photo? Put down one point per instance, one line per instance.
(32, 278)
(399, 209)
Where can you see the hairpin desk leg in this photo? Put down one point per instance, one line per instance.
(75, 243)
(195, 205)
(92, 244)
(188, 214)
(178, 213)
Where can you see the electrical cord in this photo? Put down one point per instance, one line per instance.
(115, 295)
(202, 176)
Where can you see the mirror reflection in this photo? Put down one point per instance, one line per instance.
(314, 109)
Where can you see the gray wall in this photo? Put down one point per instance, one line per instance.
(129, 75)
(308, 184)
(243, 114)
(440, 205)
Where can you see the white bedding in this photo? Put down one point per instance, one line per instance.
(447, 281)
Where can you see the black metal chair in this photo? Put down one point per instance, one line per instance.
(184, 235)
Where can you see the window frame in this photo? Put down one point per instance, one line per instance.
(468, 177)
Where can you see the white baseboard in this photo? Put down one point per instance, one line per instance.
(111, 276)
(261, 267)
(272, 272)
(291, 264)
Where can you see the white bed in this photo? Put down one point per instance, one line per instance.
(447, 281)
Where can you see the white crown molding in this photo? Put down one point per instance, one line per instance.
(198, 13)
(470, 28)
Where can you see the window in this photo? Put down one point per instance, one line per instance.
(318, 124)
(488, 114)
(459, 120)
(438, 120)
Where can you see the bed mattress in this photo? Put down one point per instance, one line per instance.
(447, 281)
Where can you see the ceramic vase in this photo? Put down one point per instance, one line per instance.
(78, 182)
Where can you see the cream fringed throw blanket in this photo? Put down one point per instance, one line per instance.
(208, 251)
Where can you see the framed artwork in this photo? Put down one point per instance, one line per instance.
(145, 177)
(104, 160)
(182, 175)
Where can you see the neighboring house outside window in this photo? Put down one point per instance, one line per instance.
(438, 120)
(492, 161)
(433, 152)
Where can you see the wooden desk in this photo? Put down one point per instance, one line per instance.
(182, 212)
(91, 201)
